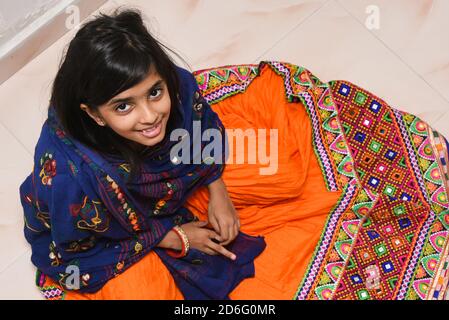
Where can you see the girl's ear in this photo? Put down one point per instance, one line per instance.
(94, 115)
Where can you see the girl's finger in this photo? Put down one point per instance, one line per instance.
(213, 235)
(213, 221)
(231, 235)
(222, 250)
(209, 251)
(233, 232)
(224, 233)
(200, 223)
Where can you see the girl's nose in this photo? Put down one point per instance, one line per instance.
(148, 115)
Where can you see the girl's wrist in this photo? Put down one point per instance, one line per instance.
(170, 241)
(216, 185)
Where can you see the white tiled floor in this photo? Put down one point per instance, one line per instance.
(405, 61)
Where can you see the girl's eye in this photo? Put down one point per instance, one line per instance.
(122, 108)
(156, 92)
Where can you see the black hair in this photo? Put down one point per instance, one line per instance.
(109, 55)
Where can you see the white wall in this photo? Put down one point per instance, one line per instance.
(28, 27)
(21, 18)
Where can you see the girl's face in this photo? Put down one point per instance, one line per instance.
(139, 114)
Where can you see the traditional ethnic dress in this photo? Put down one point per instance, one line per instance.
(357, 209)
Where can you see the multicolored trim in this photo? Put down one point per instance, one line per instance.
(429, 254)
(48, 168)
(329, 257)
(369, 131)
(439, 289)
(49, 292)
(407, 283)
(217, 84)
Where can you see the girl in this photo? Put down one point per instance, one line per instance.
(110, 213)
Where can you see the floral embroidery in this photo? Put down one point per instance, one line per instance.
(48, 171)
(89, 213)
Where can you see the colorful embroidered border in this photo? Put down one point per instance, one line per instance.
(361, 98)
(365, 119)
(337, 256)
(355, 107)
(430, 249)
(438, 172)
(49, 292)
(440, 283)
(217, 84)
(332, 131)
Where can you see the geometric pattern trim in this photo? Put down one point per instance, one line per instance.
(53, 292)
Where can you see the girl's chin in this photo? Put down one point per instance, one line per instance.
(152, 143)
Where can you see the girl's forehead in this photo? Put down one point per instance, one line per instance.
(151, 80)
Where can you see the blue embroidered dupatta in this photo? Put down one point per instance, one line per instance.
(85, 221)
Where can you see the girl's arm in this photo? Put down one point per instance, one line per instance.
(222, 214)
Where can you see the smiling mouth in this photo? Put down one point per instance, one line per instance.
(150, 128)
(153, 131)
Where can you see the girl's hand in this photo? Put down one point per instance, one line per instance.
(221, 212)
(200, 238)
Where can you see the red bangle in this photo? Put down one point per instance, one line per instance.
(185, 244)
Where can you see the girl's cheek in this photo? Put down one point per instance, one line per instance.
(167, 103)
(123, 123)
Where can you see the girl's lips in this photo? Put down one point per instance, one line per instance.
(153, 132)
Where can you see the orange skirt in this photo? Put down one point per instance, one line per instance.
(288, 208)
